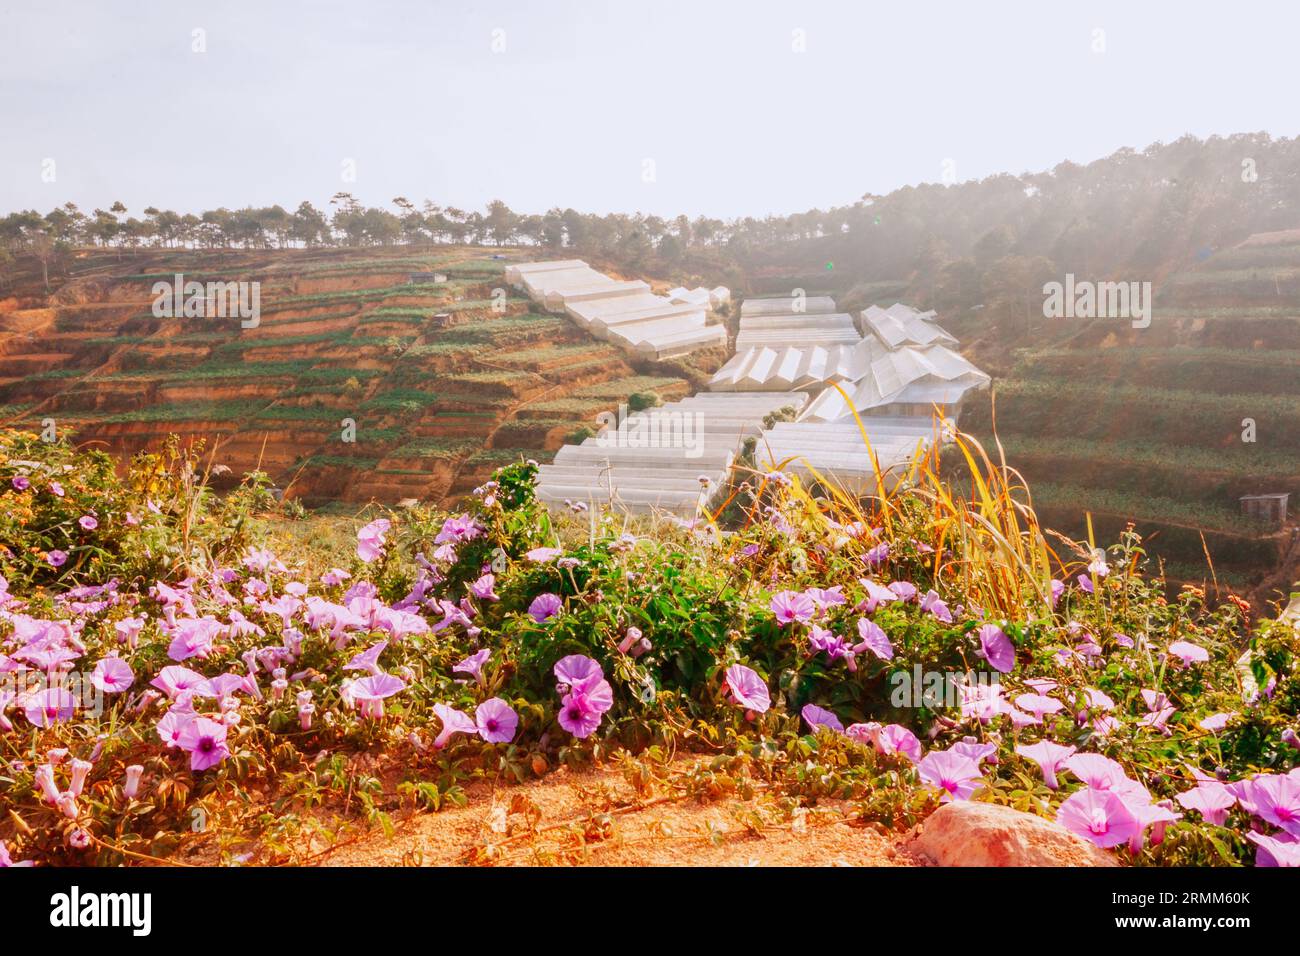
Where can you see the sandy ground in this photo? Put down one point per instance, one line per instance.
(596, 818)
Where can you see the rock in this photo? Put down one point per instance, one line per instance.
(982, 834)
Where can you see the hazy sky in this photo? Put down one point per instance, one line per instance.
(735, 121)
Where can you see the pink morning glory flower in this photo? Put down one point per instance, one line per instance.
(1275, 850)
(8, 861)
(473, 665)
(496, 721)
(543, 555)
(1098, 772)
(874, 639)
(825, 598)
(996, 648)
(1038, 704)
(876, 596)
(1098, 700)
(112, 675)
(1057, 589)
(132, 785)
(56, 558)
(370, 539)
(1274, 799)
(1215, 722)
(205, 739)
(371, 691)
(88, 522)
(45, 708)
(577, 670)
(1099, 816)
(982, 701)
(1189, 653)
(580, 713)
(482, 588)
(820, 717)
(747, 688)
(791, 607)
(904, 590)
(174, 680)
(458, 529)
(955, 775)
(935, 606)
(897, 739)
(367, 660)
(544, 607)
(1211, 799)
(975, 750)
(1049, 756)
(453, 722)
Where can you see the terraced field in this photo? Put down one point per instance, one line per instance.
(435, 383)
(1148, 424)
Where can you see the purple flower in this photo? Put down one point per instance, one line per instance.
(932, 603)
(956, 776)
(1049, 756)
(473, 665)
(496, 721)
(457, 529)
(1215, 722)
(174, 680)
(1057, 589)
(1189, 653)
(581, 711)
(7, 861)
(1274, 799)
(367, 660)
(112, 675)
(205, 739)
(543, 555)
(50, 706)
(1211, 799)
(544, 607)
(482, 588)
(1272, 850)
(56, 558)
(370, 539)
(905, 590)
(370, 692)
(20, 482)
(825, 598)
(820, 717)
(876, 596)
(1037, 704)
(1085, 584)
(88, 522)
(1099, 816)
(792, 607)
(877, 555)
(748, 689)
(577, 671)
(453, 722)
(996, 648)
(1098, 772)
(897, 739)
(874, 639)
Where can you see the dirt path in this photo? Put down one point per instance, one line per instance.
(597, 818)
